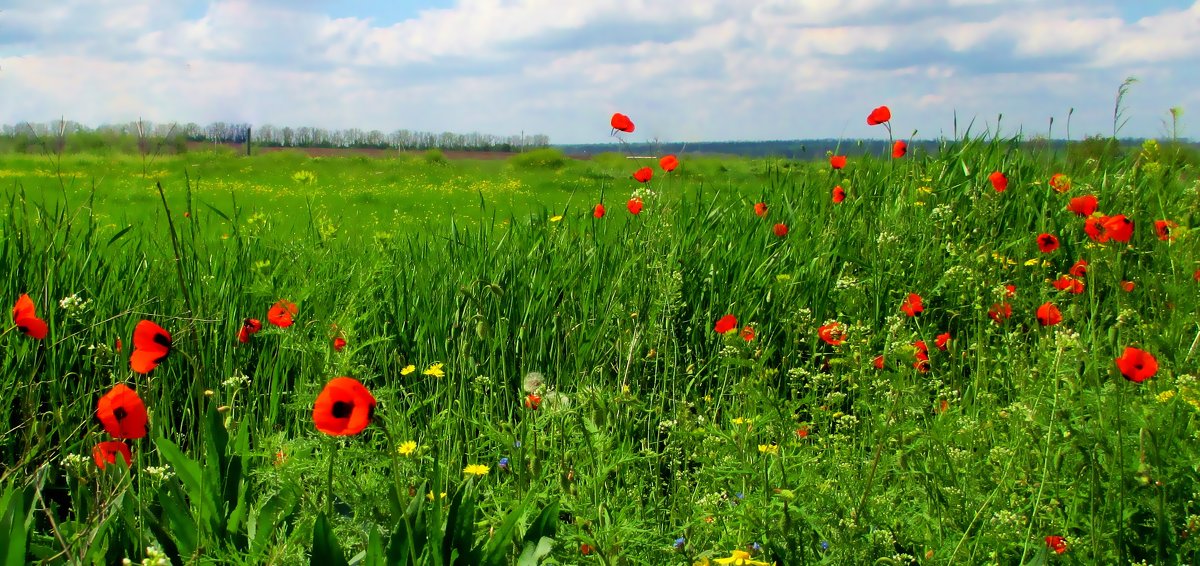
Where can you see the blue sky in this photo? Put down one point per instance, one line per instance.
(684, 71)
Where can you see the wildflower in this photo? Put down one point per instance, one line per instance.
(476, 470)
(585, 549)
(338, 343)
(1079, 269)
(942, 341)
(802, 432)
(435, 370)
(532, 401)
(772, 449)
(839, 194)
(837, 161)
(429, 496)
(407, 447)
(1047, 243)
(122, 412)
(1127, 286)
(598, 211)
(1137, 365)
(879, 362)
(899, 149)
(643, 175)
(921, 361)
(1056, 543)
(1048, 314)
(503, 464)
(780, 230)
(621, 122)
(408, 369)
(1068, 284)
(533, 382)
(73, 303)
(281, 313)
(1163, 229)
(345, 407)
(250, 327)
(106, 453)
(725, 324)
(1118, 227)
(879, 116)
(1060, 183)
(748, 334)
(740, 558)
(912, 305)
(999, 181)
(668, 163)
(1000, 312)
(1083, 206)
(760, 209)
(24, 315)
(151, 344)
(739, 420)
(832, 333)
(634, 205)
(556, 218)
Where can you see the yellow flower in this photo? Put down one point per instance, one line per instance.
(556, 218)
(772, 449)
(408, 369)
(407, 448)
(1166, 396)
(741, 558)
(1031, 262)
(429, 495)
(435, 370)
(740, 420)
(476, 470)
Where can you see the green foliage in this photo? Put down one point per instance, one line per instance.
(546, 158)
(435, 157)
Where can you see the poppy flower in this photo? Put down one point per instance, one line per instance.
(250, 327)
(122, 412)
(1048, 314)
(643, 175)
(598, 211)
(839, 194)
(780, 230)
(879, 116)
(725, 324)
(1060, 183)
(281, 313)
(1047, 243)
(106, 453)
(760, 209)
(1137, 365)
(1080, 268)
(24, 315)
(748, 334)
(1068, 284)
(1163, 229)
(899, 149)
(622, 123)
(1084, 205)
(1096, 229)
(999, 181)
(532, 401)
(921, 361)
(343, 408)
(878, 362)
(837, 161)
(1056, 543)
(1010, 290)
(942, 341)
(1000, 312)
(1196, 275)
(338, 343)
(912, 305)
(151, 344)
(1118, 227)
(832, 334)
(634, 205)
(1127, 286)
(668, 163)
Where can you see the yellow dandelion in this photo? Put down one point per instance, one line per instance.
(1032, 262)
(476, 470)
(772, 449)
(556, 218)
(408, 369)
(740, 558)
(740, 420)
(407, 448)
(435, 370)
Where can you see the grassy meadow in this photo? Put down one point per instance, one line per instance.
(550, 383)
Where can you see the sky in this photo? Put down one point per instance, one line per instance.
(683, 70)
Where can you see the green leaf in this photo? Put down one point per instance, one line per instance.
(325, 549)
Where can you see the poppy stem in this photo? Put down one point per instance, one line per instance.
(329, 479)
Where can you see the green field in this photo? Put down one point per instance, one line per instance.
(497, 322)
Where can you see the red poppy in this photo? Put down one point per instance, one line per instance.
(760, 209)
(1056, 543)
(839, 194)
(899, 149)
(878, 362)
(1163, 228)
(1000, 312)
(1196, 275)
(250, 327)
(281, 313)
(1068, 284)
(748, 334)
(832, 334)
(921, 347)
(643, 175)
(598, 211)
(1080, 268)
(1118, 227)
(802, 432)
(912, 305)
(585, 549)
(106, 453)
(338, 343)
(532, 401)
(1010, 290)
(1048, 314)
(879, 116)
(780, 230)
(1084, 205)
(634, 205)
(1060, 183)
(921, 363)
(122, 412)
(24, 315)
(622, 123)
(1096, 229)
(1047, 243)
(725, 324)
(999, 181)
(1137, 365)
(942, 341)
(837, 161)
(343, 408)
(1127, 286)
(151, 344)
(668, 163)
